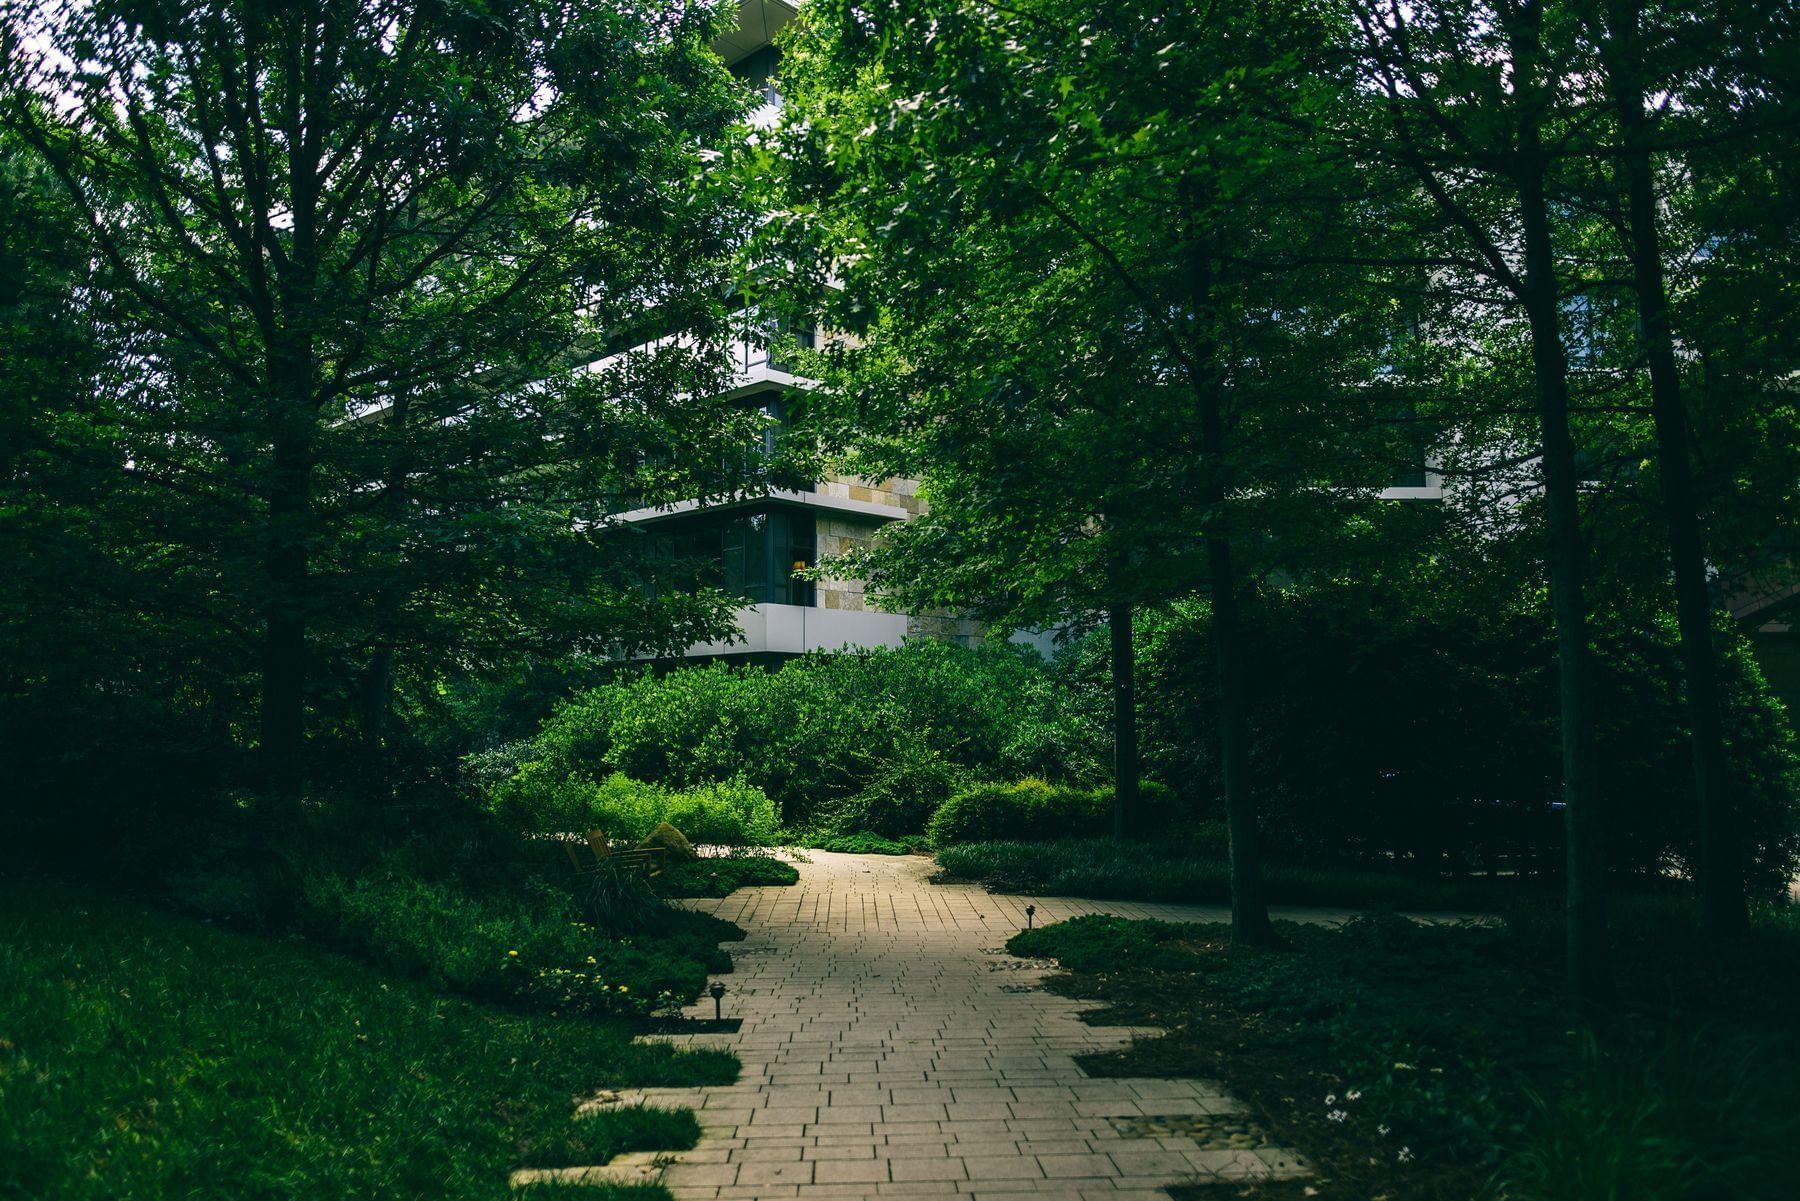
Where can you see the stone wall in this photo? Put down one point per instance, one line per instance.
(843, 532)
(902, 494)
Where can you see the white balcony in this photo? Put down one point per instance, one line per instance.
(797, 629)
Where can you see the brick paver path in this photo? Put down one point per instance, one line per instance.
(891, 1047)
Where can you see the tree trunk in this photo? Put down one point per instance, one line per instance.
(285, 567)
(1127, 818)
(1249, 901)
(1589, 965)
(1722, 908)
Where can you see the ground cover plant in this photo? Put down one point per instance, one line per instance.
(864, 844)
(1436, 1063)
(147, 1054)
(720, 876)
(534, 947)
(1191, 867)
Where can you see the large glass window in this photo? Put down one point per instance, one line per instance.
(753, 554)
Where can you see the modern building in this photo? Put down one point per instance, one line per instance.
(759, 544)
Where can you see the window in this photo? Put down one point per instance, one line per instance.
(751, 554)
(758, 70)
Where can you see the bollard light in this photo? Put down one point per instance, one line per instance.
(1030, 914)
(718, 996)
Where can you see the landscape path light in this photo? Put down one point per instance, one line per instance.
(718, 996)
(1030, 914)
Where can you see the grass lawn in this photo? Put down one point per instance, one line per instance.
(1417, 1063)
(1098, 867)
(145, 1055)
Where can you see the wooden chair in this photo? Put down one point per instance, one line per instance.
(647, 860)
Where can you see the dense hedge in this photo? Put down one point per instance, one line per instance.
(1033, 810)
(900, 729)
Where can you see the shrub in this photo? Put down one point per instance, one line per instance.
(1165, 870)
(1351, 765)
(901, 797)
(990, 811)
(1684, 1122)
(724, 813)
(540, 800)
(669, 840)
(1034, 809)
(820, 729)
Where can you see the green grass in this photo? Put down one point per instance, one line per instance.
(528, 944)
(595, 1138)
(1149, 872)
(148, 1055)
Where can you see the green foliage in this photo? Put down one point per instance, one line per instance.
(1098, 943)
(669, 840)
(1167, 870)
(1682, 1122)
(594, 1138)
(900, 725)
(1413, 720)
(864, 844)
(1032, 810)
(1448, 1041)
(721, 876)
(901, 798)
(149, 1055)
(357, 473)
(543, 799)
(533, 945)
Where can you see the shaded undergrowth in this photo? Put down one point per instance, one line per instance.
(1436, 1063)
(147, 1054)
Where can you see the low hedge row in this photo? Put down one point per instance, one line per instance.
(1033, 810)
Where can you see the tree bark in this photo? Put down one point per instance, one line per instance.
(285, 567)
(1722, 906)
(1249, 901)
(1589, 955)
(1127, 815)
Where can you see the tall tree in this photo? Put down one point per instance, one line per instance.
(1676, 74)
(1479, 102)
(1066, 225)
(358, 248)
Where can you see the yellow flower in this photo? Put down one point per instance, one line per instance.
(512, 954)
(622, 988)
(591, 959)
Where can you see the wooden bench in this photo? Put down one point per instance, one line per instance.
(647, 860)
